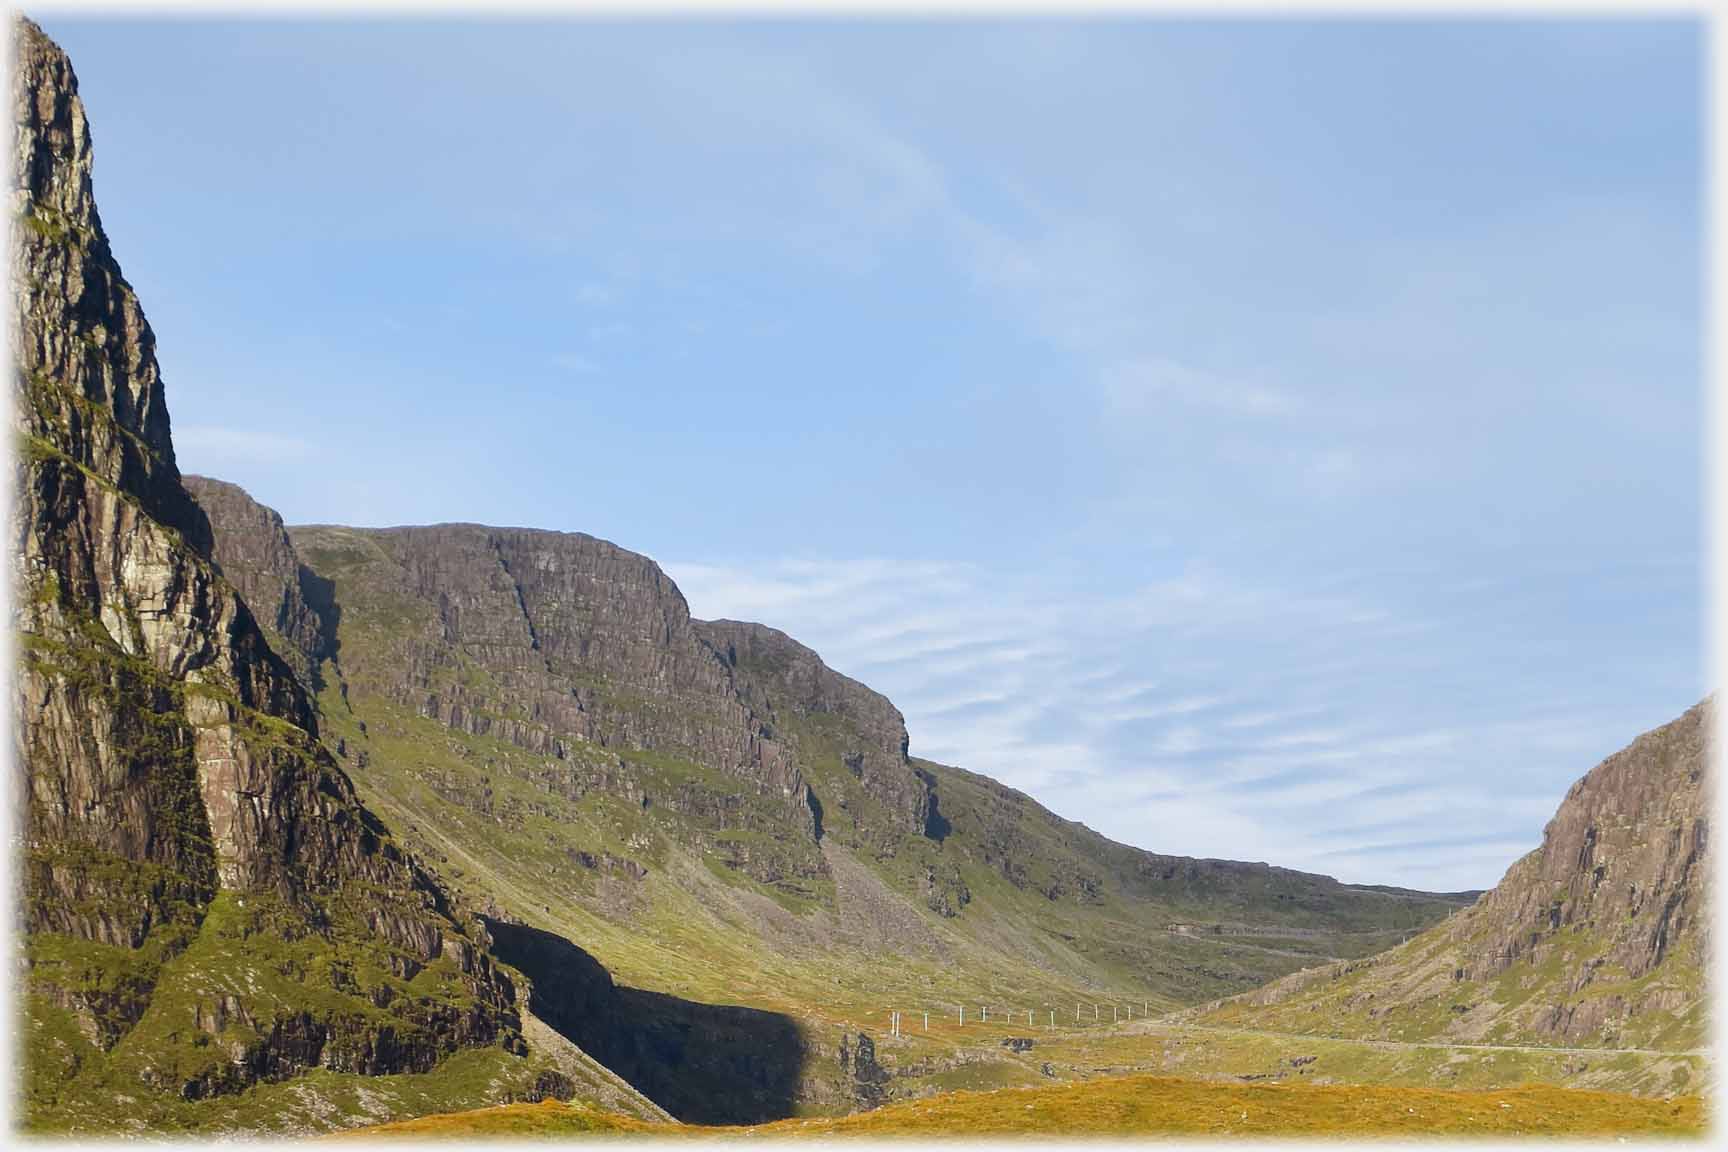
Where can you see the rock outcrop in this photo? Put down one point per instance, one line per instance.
(255, 555)
(571, 637)
(778, 676)
(182, 826)
(1622, 863)
(573, 649)
(1598, 937)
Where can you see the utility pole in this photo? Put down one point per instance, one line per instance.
(1113, 1017)
(962, 1015)
(926, 1021)
(1094, 1013)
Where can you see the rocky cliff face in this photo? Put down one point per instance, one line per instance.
(187, 841)
(779, 677)
(538, 637)
(574, 649)
(1598, 937)
(255, 556)
(1623, 862)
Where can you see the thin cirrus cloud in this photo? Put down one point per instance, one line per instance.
(1071, 277)
(1167, 717)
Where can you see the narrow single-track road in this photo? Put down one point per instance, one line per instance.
(1310, 1037)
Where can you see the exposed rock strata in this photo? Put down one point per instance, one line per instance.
(255, 555)
(776, 674)
(1623, 861)
(571, 637)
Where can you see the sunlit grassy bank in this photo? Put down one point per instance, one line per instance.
(1152, 1106)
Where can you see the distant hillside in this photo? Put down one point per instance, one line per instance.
(711, 812)
(1597, 939)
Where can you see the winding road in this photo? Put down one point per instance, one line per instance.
(1691, 1053)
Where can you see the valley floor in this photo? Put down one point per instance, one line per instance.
(1148, 1106)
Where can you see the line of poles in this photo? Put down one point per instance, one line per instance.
(1118, 1013)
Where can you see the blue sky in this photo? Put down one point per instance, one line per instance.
(1276, 441)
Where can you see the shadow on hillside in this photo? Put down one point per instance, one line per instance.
(319, 594)
(936, 825)
(703, 1063)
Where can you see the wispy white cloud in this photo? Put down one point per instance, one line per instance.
(1308, 738)
(1262, 719)
(1182, 706)
(968, 702)
(1077, 279)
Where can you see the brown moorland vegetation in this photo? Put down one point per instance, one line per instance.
(1148, 1106)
